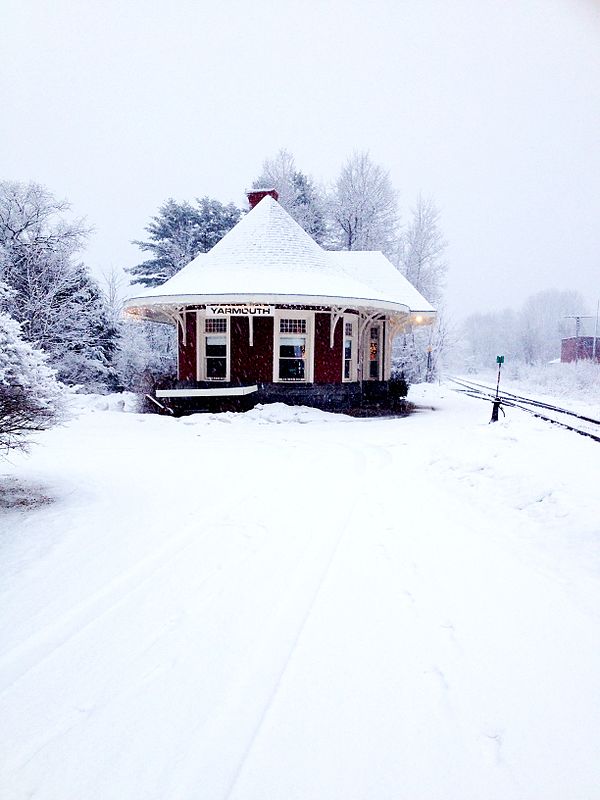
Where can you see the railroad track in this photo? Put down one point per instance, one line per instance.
(564, 417)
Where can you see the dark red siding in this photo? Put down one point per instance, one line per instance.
(328, 360)
(257, 196)
(187, 353)
(251, 364)
(579, 348)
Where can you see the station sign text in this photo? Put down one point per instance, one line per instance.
(239, 310)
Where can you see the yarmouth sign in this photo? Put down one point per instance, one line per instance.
(239, 310)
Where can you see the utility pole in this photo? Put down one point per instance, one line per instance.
(595, 345)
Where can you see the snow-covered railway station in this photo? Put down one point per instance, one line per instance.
(269, 315)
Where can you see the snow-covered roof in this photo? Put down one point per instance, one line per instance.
(267, 257)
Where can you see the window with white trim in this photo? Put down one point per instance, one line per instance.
(374, 351)
(216, 349)
(293, 347)
(349, 350)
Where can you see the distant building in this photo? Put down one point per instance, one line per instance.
(269, 315)
(579, 348)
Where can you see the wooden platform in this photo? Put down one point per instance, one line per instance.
(218, 391)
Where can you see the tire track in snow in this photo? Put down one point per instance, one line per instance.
(273, 693)
(16, 663)
(281, 638)
(119, 690)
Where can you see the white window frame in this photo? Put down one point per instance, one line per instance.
(290, 313)
(354, 321)
(377, 323)
(201, 349)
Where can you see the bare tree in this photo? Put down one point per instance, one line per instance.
(298, 194)
(114, 287)
(364, 207)
(278, 173)
(422, 248)
(421, 258)
(543, 324)
(530, 335)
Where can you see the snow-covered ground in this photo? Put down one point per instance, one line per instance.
(572, 386)
(291, 604)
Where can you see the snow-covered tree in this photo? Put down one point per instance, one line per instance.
(146, 354)
(297, 193)
(178, 233)
(54, 298)
(30, 397)
(145, 351)
(531, 335)
(487, 335)
(420, 352)
(82, 340)
(421, 251)
(543, 323)
(420, 257)
(364, 207)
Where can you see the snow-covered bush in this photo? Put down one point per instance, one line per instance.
(30, 397)
(146, 353)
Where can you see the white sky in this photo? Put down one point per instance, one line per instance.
(491, 107)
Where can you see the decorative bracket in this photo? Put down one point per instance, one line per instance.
(337, 312)
(178, 317)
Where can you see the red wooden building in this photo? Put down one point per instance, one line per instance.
(268, 315)
(580, 348)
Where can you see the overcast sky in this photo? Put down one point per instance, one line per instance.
(491, 107)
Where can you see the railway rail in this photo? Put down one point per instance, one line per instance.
(565, 418)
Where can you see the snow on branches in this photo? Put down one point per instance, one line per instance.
(30, 397)
(54, 298)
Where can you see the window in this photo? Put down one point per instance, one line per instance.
(215, 349)
(293, 347)
(292, 326)
(218, 325)
(349, 354)
(374, 352)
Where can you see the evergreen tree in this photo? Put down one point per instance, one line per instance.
(85, 341)
(178, 233)
(308, 209)
(30, 398)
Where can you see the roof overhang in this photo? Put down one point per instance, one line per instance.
(148, 306)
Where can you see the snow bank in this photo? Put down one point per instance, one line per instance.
(267, 414)
(117, 401)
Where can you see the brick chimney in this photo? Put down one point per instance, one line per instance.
(257, 195)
